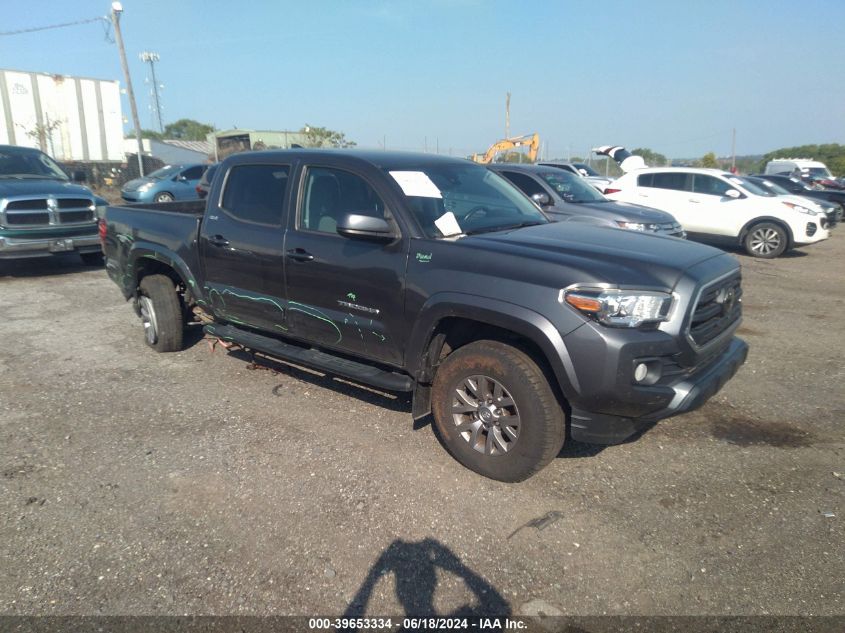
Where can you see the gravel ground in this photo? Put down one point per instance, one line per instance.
(143, 483)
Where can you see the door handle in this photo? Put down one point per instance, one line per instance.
(218, 240)
(694, 201)
(300, 255)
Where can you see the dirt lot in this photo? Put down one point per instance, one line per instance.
(138, 483)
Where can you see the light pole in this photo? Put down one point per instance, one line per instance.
(116, 10)
(151, 58)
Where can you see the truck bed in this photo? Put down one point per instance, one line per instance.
(139, 232)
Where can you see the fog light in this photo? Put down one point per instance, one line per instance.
(640, 372)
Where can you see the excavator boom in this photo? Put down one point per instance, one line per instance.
(532, 141)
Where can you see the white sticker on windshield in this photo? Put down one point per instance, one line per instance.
(416, 183)
(448, 224)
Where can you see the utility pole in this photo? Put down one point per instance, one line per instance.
(151, 59)
(116, 10)
(733, 151)
(508, 115)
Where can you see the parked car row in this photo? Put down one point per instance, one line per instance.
(171, 182)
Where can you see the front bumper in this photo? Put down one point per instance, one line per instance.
(688, 393)
(15, 248)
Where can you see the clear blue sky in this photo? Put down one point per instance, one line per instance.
(674, 76)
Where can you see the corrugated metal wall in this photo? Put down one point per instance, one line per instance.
(78, 119)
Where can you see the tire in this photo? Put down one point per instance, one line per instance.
(164, 197)
(92, 259)
(161, 314)
(766, 240)
(482, 439)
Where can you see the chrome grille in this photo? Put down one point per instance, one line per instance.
(670, 228)
(718, 307)
(50, 211)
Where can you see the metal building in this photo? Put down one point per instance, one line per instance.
(69, 118)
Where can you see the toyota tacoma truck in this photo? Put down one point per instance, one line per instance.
(436, 276)
(42, 212)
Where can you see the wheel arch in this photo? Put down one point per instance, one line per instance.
(790, 238)
(452, 320)
(150, 259)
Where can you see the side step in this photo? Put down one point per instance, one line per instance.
(383, 379)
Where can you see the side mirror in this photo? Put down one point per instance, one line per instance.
(733, 193)
(78, 176)
(542, 199)
(365, 227)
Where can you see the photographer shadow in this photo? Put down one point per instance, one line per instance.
(414, 566)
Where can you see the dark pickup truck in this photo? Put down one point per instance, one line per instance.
(436, 276)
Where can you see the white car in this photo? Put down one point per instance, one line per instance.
(716, 206)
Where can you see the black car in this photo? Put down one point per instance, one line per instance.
(798, 187)
(566, 197)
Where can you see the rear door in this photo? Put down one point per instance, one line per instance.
(241, 241)
(667, 191)
(344, 293)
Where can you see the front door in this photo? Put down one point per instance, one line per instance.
(241, 248)
(717, 214)
(344, 293)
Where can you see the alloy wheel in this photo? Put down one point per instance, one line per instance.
(485, 415)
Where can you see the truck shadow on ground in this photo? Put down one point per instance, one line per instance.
(45, 266)
(415, 566)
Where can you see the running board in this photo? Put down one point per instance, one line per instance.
(367, 374)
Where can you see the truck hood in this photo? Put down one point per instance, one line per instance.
(40, 187)
(600, 254)
(626, 211)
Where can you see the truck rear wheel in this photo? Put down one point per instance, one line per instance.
(161, 314)
(496, 411)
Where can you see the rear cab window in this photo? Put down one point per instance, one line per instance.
(256, 193)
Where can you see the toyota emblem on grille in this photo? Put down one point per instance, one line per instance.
(727, 299)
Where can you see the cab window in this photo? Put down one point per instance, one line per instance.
(256, 193)
(330, 194)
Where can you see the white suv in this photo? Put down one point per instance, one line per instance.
(716, 206)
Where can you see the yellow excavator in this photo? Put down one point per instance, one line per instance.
(532, 141)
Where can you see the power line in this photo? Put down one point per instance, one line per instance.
(53, 26)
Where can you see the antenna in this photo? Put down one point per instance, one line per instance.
(508, 115)
(151, 58)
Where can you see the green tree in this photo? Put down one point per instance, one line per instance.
(831, 154)
(187, 130)
(151, 134)
(324, 137)
(651, 158)
(709, 160)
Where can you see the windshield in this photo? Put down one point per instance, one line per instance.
(750, 186)
(453, 199)
(29, 164)
(585, 167)
(819, 172)
(572, 188)
(774, 188)
(165, 172)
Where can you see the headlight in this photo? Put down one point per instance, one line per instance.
(800, 209)
(100, 211)
(638, 226)
(146, 187)
(619, 308)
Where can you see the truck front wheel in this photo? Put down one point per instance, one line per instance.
(161, 314)
(496, 411)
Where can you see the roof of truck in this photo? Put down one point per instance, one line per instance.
(378, 158)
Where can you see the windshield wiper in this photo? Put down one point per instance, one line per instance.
(509, 227)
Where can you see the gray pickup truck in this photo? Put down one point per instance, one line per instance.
(436, 276)
(42, 212)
